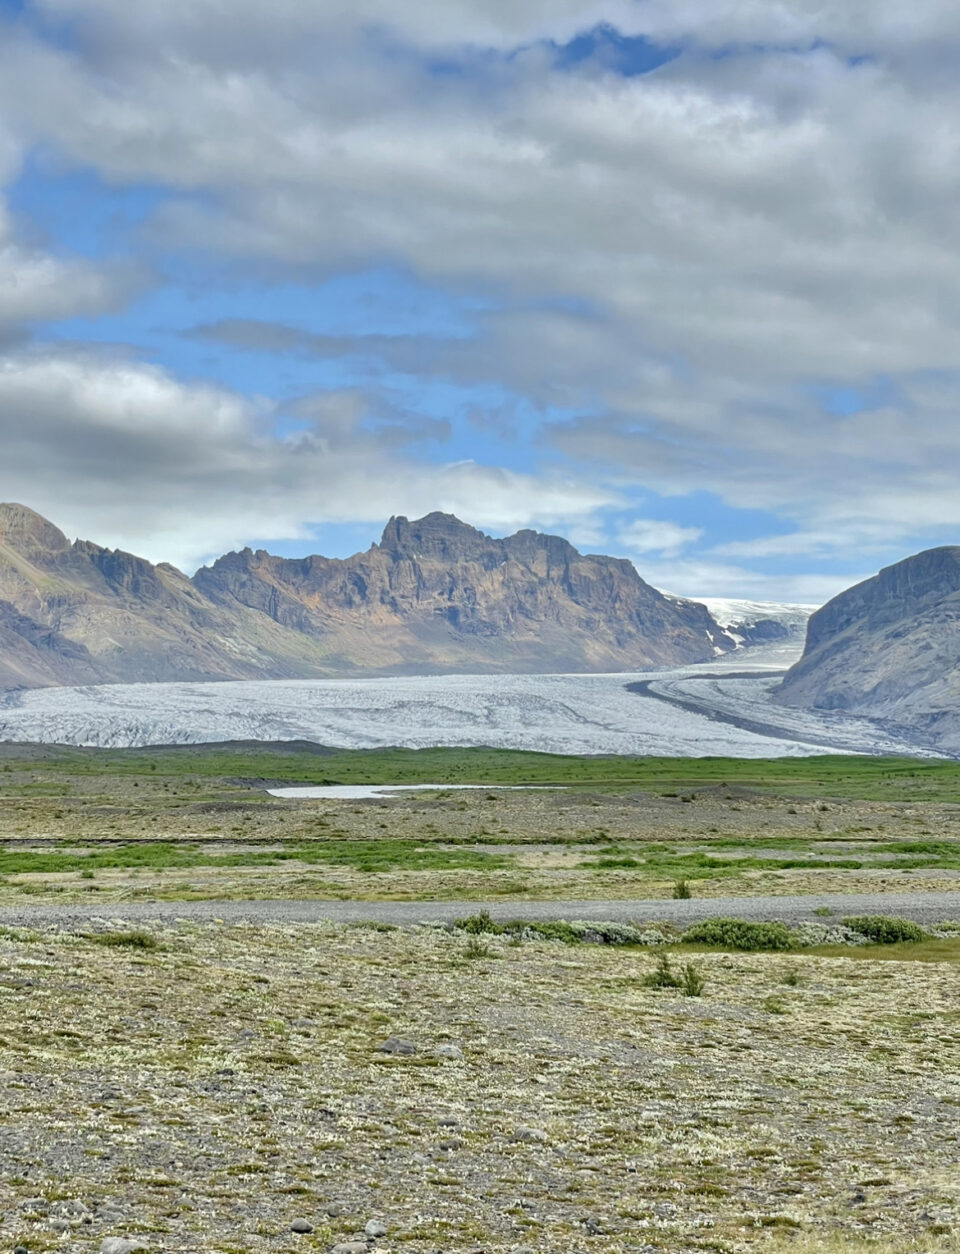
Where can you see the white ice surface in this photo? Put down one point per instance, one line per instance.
(552, 713)
(728, 612)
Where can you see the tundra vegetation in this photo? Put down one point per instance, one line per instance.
(97, 825)
(556, 1086)
(203, 1087)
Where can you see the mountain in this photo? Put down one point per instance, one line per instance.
(889, 648)
(438, 594)
(79, 613)
(433, 595)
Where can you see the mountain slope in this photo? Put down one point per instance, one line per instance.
(80, 613)
(439, 594)
(433, 595)
(889, 648)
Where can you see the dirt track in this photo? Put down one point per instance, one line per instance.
(923, 907)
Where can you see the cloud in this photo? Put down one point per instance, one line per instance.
(650, 535)
(682, 259)
(778, 215)
(38, 287)
(698, 577)
(864, 26)
(125, 454)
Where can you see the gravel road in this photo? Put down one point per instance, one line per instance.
(922, 907)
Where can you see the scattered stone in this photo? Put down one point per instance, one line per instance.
(350, 1247)
(20, 1249)
(454, 1143)
(71, 1208)
(375, 1229)
(448, 1123)
(529, 1134)
(120, 1245)
(448, 1051)
(396, 1045)
(592, 1225)
(332, 1209)
(301, 1225)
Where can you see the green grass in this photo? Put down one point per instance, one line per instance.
(863, 778)
(946, 951)
(662, 862)
(362, 855)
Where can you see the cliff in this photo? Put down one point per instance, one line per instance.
(889, 648)
(437, 594)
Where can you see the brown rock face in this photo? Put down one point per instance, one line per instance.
(79, 613)
(889, 648)
(437, 594)
(29, 535)
(434, 595)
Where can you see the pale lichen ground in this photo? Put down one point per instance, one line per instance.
(203, 1095)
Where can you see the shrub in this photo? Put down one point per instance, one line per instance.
(579, 931)
(690, 981)
(556, 931)
(681, 891)
(592, 933)
(884, 930)
(479, 924)
(127, 940)
(808, 934)
(693, 983)
(662, 976)
(739, 934)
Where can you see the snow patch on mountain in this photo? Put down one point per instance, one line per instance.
(731, 613)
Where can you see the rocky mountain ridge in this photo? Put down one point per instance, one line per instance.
(889, 648)
(434, 595)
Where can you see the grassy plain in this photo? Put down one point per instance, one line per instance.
(200, 1087)
(89, 825)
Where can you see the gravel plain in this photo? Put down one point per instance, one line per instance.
(305, 1089)
(921, 907)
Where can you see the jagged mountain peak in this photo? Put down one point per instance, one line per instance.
(28, 533)
(434, 535)
(444, 537)
(435, 595)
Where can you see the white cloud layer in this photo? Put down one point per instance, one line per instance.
(122, 453)
(679, 257)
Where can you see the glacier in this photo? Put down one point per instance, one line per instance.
(714, 709)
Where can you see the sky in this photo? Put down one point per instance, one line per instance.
(677, 279)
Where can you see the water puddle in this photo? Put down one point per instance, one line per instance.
(357, 792)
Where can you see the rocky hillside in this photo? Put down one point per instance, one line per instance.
(79, 613)
(889, 648)
(433, 595)
(437, 594)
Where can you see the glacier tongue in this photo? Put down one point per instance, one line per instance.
(580, 714)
